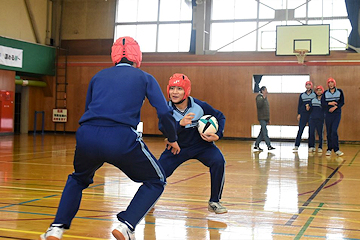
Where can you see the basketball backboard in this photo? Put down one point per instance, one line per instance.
(313, 38)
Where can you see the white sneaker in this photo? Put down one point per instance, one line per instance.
(328, 152)
(217, 208)
(339, 153)
(319, 150)
(311, 149)
(295, 149)
(122, 232)
(53, 233)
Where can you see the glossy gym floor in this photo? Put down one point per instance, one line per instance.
(269, 195)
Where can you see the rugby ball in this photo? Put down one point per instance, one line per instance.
(208, 124)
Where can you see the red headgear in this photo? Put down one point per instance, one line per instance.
(126, 47)
(320, 87)
(330, 80)
(180, 80)
(309, 82)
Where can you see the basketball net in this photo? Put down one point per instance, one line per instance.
(300, 55)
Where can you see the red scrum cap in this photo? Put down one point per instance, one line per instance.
(309, 82)
(320, 87)
(126, 47)
(180, 80)
(330, 80)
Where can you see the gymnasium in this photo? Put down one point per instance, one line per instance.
(50, 50)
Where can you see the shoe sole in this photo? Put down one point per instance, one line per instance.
(42, 237)
(222, 212)
(219, 212)
(52, 238)
(118, 235)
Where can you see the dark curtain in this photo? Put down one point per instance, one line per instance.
(352, 7)
(257, 80)
(193, 31)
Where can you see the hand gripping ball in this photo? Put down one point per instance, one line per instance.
(208, 124)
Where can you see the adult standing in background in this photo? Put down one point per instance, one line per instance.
(304, 111)
(332, 101)
(263, 112)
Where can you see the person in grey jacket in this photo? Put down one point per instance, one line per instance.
(263, 112)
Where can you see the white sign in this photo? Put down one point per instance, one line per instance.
(59, 115)
(11, 56)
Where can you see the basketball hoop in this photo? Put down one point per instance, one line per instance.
(300, 55)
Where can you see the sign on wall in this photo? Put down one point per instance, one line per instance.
(59, 115)
(11, 56)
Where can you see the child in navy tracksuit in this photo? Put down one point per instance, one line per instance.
(303, 111)
(187, 111)
(332, 101)
(316, 121)
(107, 135)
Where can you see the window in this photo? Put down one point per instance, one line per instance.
(233, 25)
(252, 26)
(280, 131)
(158, 25)
(281, 83)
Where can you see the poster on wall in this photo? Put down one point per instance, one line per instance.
(11, 57)
(60, 115)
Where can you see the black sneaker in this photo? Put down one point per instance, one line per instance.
(258, 148)
(271, 148)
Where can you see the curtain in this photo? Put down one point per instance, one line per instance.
(193, 31)
(257, 80)
(352, 7)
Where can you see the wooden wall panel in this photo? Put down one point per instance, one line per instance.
(88, 47)
(37, 103)
(225, 82)
(7, 80)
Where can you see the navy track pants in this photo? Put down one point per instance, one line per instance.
(332, 121)
(318, 126)
(208, 154)
(122, 147)
(304, 119)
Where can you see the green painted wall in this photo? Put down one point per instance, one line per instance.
(38, 59)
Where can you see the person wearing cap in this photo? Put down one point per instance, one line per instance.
(332, 102)
(263, 113)
(316, 121)
(304, 111)
(107, 134)
(187, 111)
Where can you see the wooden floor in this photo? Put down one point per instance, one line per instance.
(277, 195)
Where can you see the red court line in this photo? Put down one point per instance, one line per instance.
(195, 176)
(185, 179)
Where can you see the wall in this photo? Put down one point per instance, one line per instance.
(88, 19)
(81, 19)
(225, 81)
(15, 21)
